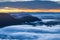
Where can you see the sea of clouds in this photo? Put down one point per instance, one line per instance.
(29, 32)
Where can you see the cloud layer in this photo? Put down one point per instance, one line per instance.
(26, 0)
(32, 5)
(13, 0)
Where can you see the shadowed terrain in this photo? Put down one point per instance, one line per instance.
(16, 19)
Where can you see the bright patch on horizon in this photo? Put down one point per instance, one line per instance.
(9, 9)
(58, 1)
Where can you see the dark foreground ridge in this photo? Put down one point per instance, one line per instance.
(16, 19)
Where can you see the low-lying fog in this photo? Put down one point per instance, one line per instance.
(29, 32)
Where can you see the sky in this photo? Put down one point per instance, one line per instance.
(30, 6)
(27, 0)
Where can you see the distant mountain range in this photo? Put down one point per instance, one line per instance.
(32, 4)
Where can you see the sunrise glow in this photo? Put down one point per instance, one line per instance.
(8, 10)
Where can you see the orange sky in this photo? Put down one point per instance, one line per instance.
(7, 10)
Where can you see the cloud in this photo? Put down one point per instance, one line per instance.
(13, 0)
(32, 5)
(54, 0)
(49, 0)
(26, 0)
(25, 32)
